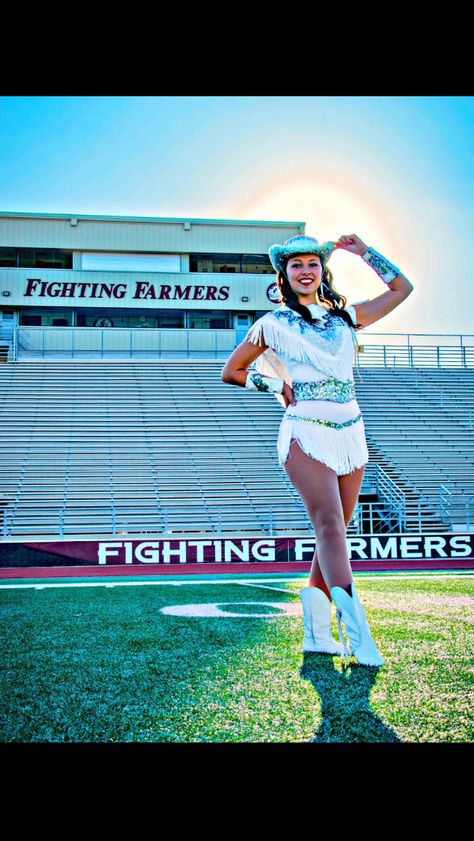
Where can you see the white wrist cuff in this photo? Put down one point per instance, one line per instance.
(385, 270)
(257, 382)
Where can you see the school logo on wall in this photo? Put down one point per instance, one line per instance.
(272, 293)
(103, 322)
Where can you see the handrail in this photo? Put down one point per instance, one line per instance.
(389, 492)
(454, 506)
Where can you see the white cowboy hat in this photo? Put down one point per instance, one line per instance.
(300, 244)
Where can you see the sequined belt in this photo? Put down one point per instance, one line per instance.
(331, 424)
(339, 391)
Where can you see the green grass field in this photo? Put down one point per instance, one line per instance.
(103, 664)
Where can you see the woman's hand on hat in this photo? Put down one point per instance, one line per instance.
(352, 243)
(288, 395)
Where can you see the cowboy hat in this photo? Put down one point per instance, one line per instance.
(301, 244)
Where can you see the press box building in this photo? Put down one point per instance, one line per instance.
(109, 286)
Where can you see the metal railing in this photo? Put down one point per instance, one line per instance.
(420, 356)
(118, 342)
(376, 349)
(456, 508)
(375, 517)
(385, 515)
(9, 339)
(272, 519)
(393, 498)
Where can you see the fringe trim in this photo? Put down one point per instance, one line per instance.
(287, 341)
(268, 364)
(343, 450)
(355, 339)
(356, 352)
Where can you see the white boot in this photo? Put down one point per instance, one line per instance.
(352, 613)
(317, 622)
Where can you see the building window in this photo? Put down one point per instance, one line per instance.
(171, 320)
(256, 264)
(8, 257)
(35, 258)
(42, 317)
(108, 261)
(235, 263)
(214, 263)
(57, 259)
(131, 319)
(199, 320)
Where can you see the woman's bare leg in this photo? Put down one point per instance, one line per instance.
(330, 501)
(349, 487)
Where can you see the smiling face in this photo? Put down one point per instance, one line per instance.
(304, 273)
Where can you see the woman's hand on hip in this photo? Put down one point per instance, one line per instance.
(352, 243)
(288, 395)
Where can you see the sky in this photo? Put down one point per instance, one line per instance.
(397, 171)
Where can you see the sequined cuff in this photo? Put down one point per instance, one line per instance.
(385, 270)
(256, 382)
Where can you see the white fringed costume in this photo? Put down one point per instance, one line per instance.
(329, 428)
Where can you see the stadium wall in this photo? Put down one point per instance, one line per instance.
(221, 555)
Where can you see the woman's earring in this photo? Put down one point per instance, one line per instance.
(321, 290)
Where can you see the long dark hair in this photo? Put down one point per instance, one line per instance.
(336, 301)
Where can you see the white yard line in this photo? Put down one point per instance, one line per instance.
(262, 586)
(247, 582)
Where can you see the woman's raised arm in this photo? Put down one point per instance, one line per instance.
(399, 286)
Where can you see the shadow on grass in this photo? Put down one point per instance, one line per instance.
(345, 701)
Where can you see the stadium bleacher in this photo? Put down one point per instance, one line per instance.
(100, 447)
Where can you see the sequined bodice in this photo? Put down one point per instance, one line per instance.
(329, 333)
(317, 355)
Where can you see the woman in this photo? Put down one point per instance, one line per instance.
(303, 353)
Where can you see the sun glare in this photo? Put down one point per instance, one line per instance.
(329, 211)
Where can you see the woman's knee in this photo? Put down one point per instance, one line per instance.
(327, 522)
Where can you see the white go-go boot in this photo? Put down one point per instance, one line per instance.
(351, 612)
(317, 622)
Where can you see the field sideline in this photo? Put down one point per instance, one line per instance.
(179, 580)
(218, 659)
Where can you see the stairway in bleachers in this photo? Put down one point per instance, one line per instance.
(94, 448)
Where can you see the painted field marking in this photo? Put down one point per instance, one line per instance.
(218, 610)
